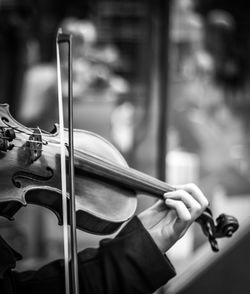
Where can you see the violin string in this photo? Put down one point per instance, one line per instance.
(44, 142)
(16, 128)
(31, 141)
(37, 149)
(27, 133)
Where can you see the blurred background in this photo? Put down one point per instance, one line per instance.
(166, 82)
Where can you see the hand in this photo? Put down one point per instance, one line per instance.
(168, 220)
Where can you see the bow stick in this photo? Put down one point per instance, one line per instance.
(69, 239)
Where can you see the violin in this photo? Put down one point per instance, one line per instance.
(106, 188)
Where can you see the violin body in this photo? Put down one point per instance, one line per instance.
(105, 186)
(30, 174)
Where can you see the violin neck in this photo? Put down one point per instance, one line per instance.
(124, 176)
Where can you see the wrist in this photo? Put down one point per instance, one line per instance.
(163, 243)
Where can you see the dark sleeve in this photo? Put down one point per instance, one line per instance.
(129, 263)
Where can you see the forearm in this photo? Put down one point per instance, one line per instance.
(130, 263)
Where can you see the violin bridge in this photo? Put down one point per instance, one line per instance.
(35, 145)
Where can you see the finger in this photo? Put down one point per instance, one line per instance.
(182, 211)
(195, 192)
(158, 206)
(191, 203)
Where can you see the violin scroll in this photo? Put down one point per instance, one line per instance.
(225, 226)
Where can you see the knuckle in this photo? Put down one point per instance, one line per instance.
(181, 205)
(188, 217)
(192, 186)
(204, 204)
(183, 194)
(198, 207)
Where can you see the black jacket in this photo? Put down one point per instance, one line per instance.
(129, 263)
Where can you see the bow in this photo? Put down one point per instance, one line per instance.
(70, 241)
